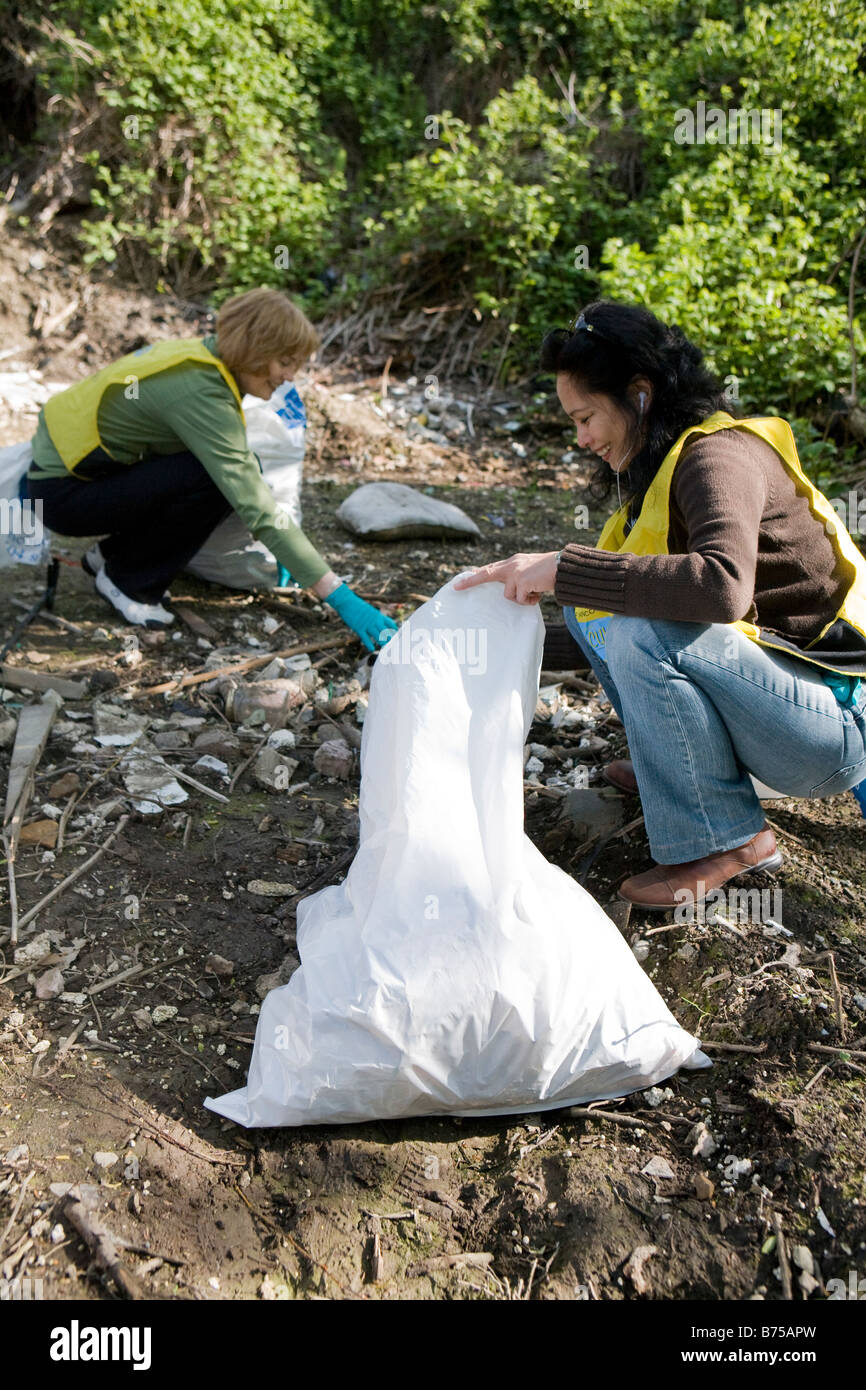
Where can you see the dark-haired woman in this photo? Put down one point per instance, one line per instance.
(723, 609)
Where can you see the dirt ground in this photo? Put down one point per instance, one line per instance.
(554, 1206)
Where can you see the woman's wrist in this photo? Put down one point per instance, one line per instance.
(326, 585)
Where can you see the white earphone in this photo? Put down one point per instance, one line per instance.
(642, 399)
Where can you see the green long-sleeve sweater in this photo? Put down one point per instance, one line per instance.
(191, 407)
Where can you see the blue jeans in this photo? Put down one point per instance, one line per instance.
(703, 706)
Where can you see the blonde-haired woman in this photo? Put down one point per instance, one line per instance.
(151, 452)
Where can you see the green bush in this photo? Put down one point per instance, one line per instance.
(473, 150)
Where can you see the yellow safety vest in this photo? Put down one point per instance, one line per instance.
(72, 416)
(844, 649)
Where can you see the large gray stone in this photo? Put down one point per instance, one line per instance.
(393, 511)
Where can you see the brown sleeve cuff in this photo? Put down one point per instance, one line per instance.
(588, 578)
(561, 652)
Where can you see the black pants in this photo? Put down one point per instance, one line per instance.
(155, 515)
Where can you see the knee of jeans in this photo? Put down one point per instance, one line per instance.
(626, 635)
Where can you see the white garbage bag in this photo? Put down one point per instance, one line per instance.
(276, 432)
(23, 538)
(455, 971)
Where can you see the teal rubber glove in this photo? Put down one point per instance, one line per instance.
(284, 579)
(373, 627)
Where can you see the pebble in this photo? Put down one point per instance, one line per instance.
(162, 1013)
(658, 1167)
(103, 1158)
(640, 950)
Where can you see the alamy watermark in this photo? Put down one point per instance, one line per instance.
(22, 517)
(739, 904)
(736, 126)
(467, 645)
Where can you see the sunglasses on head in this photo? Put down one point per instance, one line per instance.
(579, 324)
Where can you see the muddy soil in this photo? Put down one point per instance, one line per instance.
(548, 1207)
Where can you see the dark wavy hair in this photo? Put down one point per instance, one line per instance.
(621, 342)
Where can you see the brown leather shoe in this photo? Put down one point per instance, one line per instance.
(656, 889)
(620, 774)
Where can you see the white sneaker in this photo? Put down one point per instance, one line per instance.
(93, 560)
(142, 614)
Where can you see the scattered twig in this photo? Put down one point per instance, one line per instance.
(18, 1205)
(241, 666)
(70, 878)
(101, 1244)
(837, 1051)
(735, 1047)
(784, 1263)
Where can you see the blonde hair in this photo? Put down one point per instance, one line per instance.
(260, 326)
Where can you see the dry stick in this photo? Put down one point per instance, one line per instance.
(18, 1205)
(9, 845)
(101, 1244)
(837, 995)
(818, 1074)
(64, 820)
(199, 786)
(249, 665)
(136, 970)
(734, 1047)
(574, 1111)
(246, 762)
(837, 1051)
(76, 873)
(784, 1263)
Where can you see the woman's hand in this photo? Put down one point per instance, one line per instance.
(526, 577)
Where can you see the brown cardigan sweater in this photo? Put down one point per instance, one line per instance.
(742, 543)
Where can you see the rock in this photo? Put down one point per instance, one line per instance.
(268, 888)
(220, 742)
(658, 1167)
(640, 950)
(633, 1269)
(64, 786)
(74, 999)
(34, 949)
(859, 1002)
(393, 511)
(142, 1019)
(117, 728)
(591, 811)
(655, 1096)
(172, 739)
(103, 1158)
(7, 732)
(19, 1154)
(688, 952)
(275, 979)
(208, 763)
(40, 832)
(49, 985)
(533, 764)
(265, 701)
(280, 739)
(704, 1143)
(802, 1257)
(272, 770)
(807, 1283)
(334, 758)
(218, 965)
(162, 1013)
(704, 1187)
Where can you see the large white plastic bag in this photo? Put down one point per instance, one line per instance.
(23, 539)
(276, 433)
(455, 970)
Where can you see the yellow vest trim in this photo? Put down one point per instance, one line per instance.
(72, 416)
(649, 535)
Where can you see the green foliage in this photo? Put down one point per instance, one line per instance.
(472, 149)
